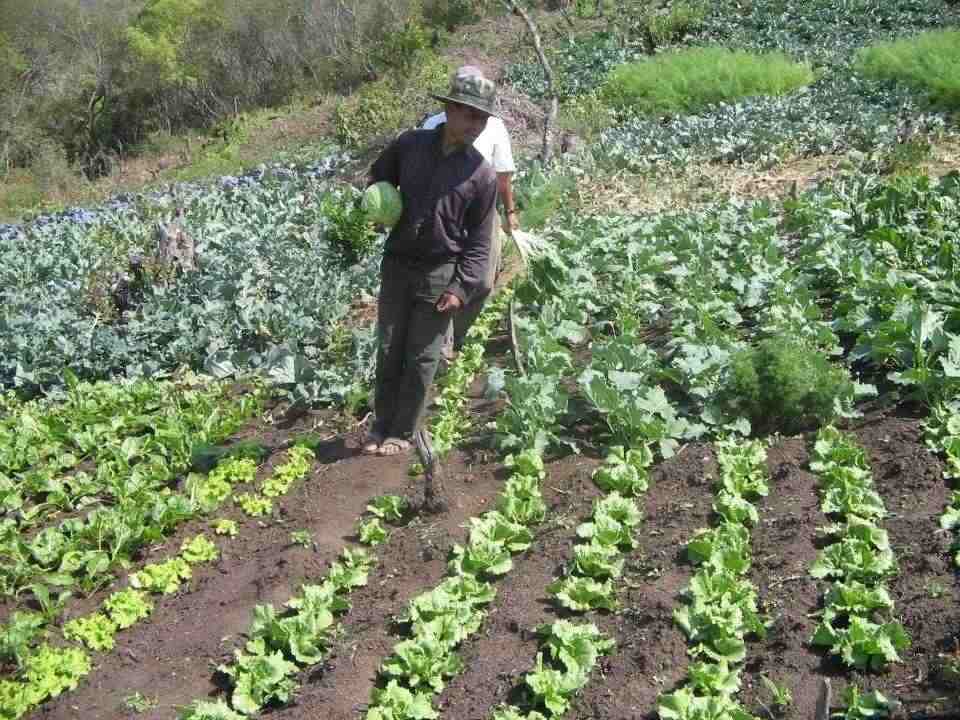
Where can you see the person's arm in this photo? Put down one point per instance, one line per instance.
(504, 165)
(387, 166)
(473, 261)
(505, 193)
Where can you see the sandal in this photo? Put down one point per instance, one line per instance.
(393, 446)
(371, 444)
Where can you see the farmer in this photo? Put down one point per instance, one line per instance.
(437, 257)
(494, 144)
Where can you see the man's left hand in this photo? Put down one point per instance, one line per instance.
(510, 223)
(449, 302)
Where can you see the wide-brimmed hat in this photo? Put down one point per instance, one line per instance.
(469, 87)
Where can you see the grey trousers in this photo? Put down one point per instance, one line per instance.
(411, 333)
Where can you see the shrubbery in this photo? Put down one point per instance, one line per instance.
(687, 81)
(395, 101)
(929, 62)
(782, 385)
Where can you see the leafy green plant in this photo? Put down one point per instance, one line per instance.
(210, 491)
(259, 680)
(199, 550)
(423, 661)
(295, 468)
(390, 508)
(688, 80)
(18, 634)
(865, 706)
(583, 593)
(225, 526)
(685, 705)
(254, 505)
(863, 644)
(204, 710)
(597, 561)
(395, 702)
(780, 695)
(782, 385)
(372, 532)
(127, 607)
(50, 671)
(722, 611)
(625, 471)
(725, 547)
(573, 651)
(303, 538)
(162, 577)
(521, 500)
(484, 557)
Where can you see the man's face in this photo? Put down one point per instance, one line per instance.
(464, 123)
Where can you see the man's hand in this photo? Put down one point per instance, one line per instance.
(511, 222)
(448, 303)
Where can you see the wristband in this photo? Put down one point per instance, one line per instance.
(512, 212)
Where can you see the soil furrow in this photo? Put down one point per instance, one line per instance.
(783, 551)
(651, 652)
(414, 561)
(504, 650)
(926, 592)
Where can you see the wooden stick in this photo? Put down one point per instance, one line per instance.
(514, 343)
(823, 700)
(554, 104)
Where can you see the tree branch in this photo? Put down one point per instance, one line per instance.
(553, 106)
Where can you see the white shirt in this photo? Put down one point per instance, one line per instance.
(493, 143)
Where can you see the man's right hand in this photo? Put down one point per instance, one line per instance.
(449, 302)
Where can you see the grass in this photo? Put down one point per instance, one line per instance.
(929, 62)
(689, 80)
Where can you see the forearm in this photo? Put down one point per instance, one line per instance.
(505, 191)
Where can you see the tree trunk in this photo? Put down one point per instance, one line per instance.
(553, 105)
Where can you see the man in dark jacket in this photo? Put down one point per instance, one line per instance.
(436, 257)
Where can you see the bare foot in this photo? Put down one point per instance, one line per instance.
(393, 446)
(371, 444)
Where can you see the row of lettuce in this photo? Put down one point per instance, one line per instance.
(44, 670)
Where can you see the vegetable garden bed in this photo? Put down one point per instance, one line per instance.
(170, 658)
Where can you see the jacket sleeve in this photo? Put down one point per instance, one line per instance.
(470, 276)
(386, 168)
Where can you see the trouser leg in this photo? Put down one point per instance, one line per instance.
(464, 319)
(393, 317)
(426, 331)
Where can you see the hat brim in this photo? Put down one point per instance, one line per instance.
(465, 101)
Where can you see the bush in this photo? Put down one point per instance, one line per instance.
(782, 385)
(682, 19)
(390, 104)
(686, 81)
(929, 62)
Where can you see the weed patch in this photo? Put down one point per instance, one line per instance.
(929, 62)
(687, 81)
